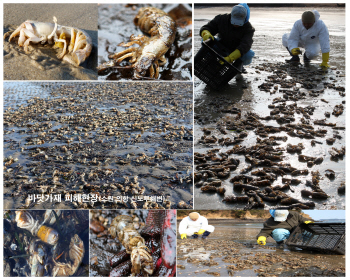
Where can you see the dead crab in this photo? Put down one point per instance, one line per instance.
(126, 228)
(75, 43)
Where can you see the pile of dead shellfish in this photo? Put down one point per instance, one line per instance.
(266, 177)
(46, 243)
(122, 143)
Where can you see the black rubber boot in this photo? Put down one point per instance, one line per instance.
(239, 65)
(205, 234)
(280, 244)
(194, 236)
(306, 60)
(295, 58)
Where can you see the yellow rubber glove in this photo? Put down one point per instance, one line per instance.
(201, 231)
(308, 222)
(233, 56)
(325, 58)
(184, 236)
(206, 35)
(295, 51)
(261, 240)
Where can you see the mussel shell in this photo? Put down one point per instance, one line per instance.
(22, 218)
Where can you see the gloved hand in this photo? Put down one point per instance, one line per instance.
(295, 51)
(261, 240)
(201, 231)
(308, 222)
(184, 236)
(325, 58)
(206, 35)
(233, 56)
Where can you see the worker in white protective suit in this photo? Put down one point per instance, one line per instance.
(194, 225)
(310, 33)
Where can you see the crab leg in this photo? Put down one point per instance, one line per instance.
(157, 69)
(79, 44)
(123, 57)
(151, 72)
(79, 41)
(124, 67)
(61, 55)
(53, 33)
(133, 59)
(106, 65)
(130, 44)
(72, 40)
(24, 33)
(16, 32)
(140, 39)
(119, 54)
(162, 60)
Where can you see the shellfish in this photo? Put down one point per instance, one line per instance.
(76, 254)
(124, 227)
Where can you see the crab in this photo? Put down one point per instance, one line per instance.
(75, 43)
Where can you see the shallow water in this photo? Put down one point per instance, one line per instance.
(244, 234)
(36, 114)
(246, 96)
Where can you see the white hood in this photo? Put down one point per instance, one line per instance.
(317, 34)
(187, 223)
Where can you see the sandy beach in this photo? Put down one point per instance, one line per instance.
(41, 62)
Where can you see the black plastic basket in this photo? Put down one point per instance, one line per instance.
(324, 237)
(208, 68)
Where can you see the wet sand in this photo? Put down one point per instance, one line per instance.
(130, 144)
(232, 251)
(41, 63)
(255, 113)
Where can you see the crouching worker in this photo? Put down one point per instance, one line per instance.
(194, 225)
(280, 225)
(234, 32)
(310, 33)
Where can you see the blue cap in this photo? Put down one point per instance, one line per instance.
(238, 15)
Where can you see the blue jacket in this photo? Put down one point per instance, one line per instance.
(293, 220)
